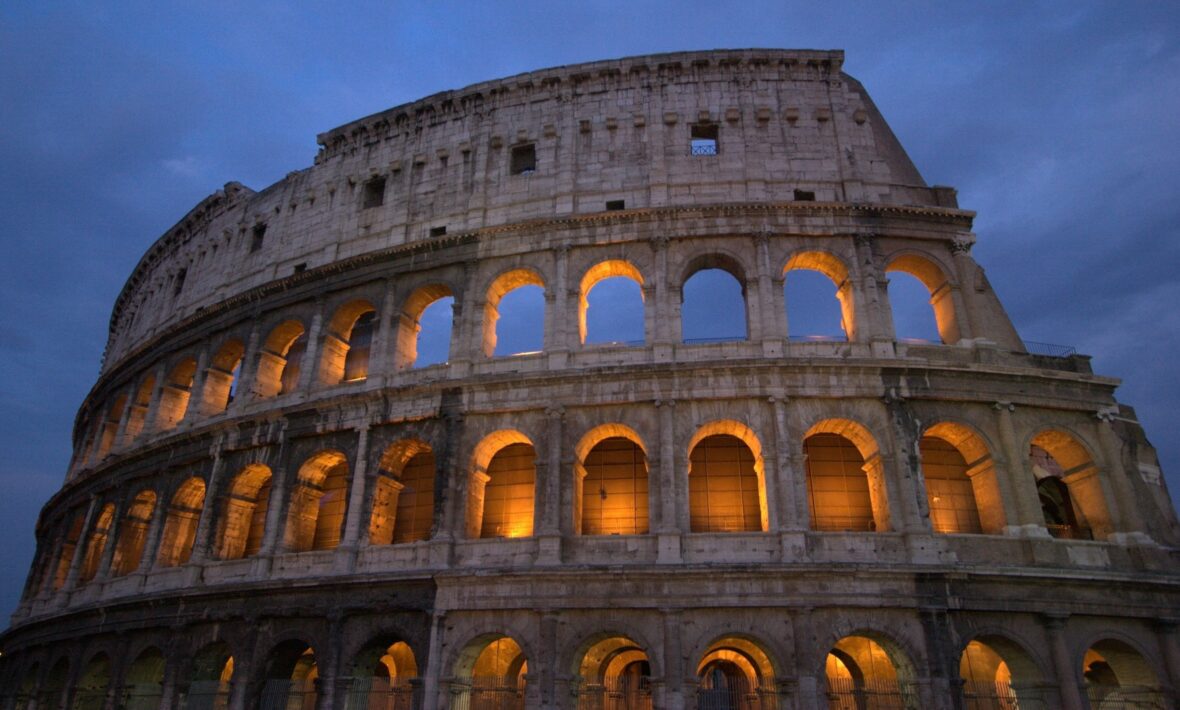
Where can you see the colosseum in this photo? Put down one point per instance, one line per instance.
(274, 502)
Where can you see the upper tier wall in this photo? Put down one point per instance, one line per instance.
(785, 121)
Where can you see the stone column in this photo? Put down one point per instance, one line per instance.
(908, 503)
(874, 319)
(1063, 667)
(328, 697)
(771, 308)
(807, 685)
(355, 534)
(549, 490)
(248, 370)
(666, 513)
(108, 551)
(434, 695)
(196, 396)
(310, 367)
(674, 690)
(381, 354)
(791, 489)
(151, 546)
(1165, 631)
(667, 324)
(960, 248)
(203, 537)
(153, 409)
(121, 430)
(548, 638)
(276, 512)
(80, 546)
(1122, 497)
(558, 339)
(1029, 521)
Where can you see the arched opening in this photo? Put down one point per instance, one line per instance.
(818, 295)
(347, 344)
(610, 304)
(999, 675)
(726, 484)
(243, 520)
(143, 685)
(110, 426)
(221, 379)
(97, 543)
(1069, 487)
(500, 496)
(490, 673)
(514, 314)
(318, 503)
(920, 296)
(175, 394)
(291, 675)
(424, 327)
(614, 673)
(210, 677)
(949, 493)
(713, 301)
(25, 696)
(845, 486)
(612, 496)
(1117, 676)
(137, 417)
(384, 675)
(403, 497)
(51, 694)
(868, 674)
(133, 534)
(180, 527)
(736, 674)
(90, 693)
(65, 556)
(953, 515)
(281, 360)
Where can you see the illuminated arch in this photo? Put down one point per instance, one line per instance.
(611, 462)
(868, 664)
(97, 542)
(319, 498)
(614, 672)
(612, 268)
(845, 477)
(175, 395)
(936, 282)
(109, 427)
(137, 417)
(961, 480)
(733, 671)
(998, 672)
(133, 534)
(504, 462)
(1116, 674)
(1069, 485)
(490, 671)
(382, 673)
(834, 268)
(348, 343)
(290, 675)
(180, 527)
(403, 497)
(738, 503)
(243, 519)
(210, 674)
(67, 550)
(409, 326)
(503, 284)
(221, 378)
(281, 359)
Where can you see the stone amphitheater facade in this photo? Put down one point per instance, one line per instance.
(270, 505)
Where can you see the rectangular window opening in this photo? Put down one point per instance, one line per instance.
(524, 159)
(438, 231)
(804, 196)
(179, 284)
(256, 240)
(612, 205)
(374, 195)
(300, 268)
(704, 139)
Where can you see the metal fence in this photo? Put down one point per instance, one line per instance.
(279, 694)
(618, 693)
(1049, 349)
(381, 694)
(847, 694)
(980, 695)
(142, 696)
(89, 699)
(206, 695)
(488, 693)
(738, 694)
(1070, 532)
(1124, 697)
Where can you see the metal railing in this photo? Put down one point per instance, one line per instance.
(142, 696)
(704, 149)
(842, 523)
(716, 339)
(1124, 697)
(488, 693)
(738, 694)
(382, 694)
(280, 694)
(982, 695)
(847, 694)
(1049, 349)
(618, 693)
(817, 338)
(206, 695)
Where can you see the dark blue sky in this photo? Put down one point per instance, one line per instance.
(1056, 121)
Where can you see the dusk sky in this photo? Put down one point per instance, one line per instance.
(1057, 122)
